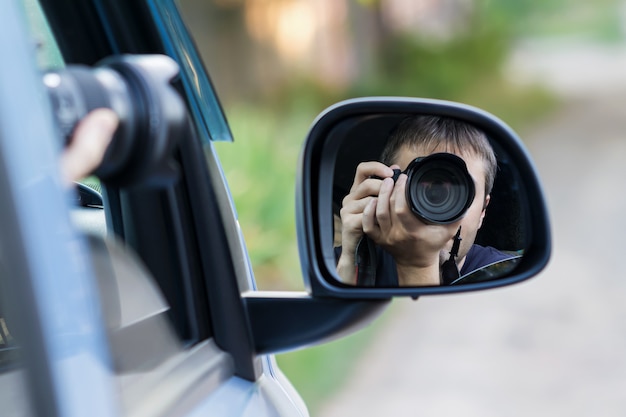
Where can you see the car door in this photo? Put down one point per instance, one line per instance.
(164, 332)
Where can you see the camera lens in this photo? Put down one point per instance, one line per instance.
(138, 89)
(439, 188)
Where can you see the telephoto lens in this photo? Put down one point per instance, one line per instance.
(439, 188)
(138, 88)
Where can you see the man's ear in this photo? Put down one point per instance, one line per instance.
(482, 214)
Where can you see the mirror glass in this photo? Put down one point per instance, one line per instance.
(422, 200)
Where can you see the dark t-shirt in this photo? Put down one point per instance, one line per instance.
(477, 257)
(481, 256)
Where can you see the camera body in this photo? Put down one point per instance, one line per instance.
(439, 188)
(138, 88)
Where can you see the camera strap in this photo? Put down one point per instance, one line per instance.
(366, 262)
(449, 269)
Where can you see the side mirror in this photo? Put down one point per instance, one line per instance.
(349, 133)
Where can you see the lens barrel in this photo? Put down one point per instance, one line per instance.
(138, 88)
(439, 188)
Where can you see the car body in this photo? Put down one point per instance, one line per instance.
(147, 305)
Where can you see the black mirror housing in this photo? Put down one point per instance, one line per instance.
(349, 132)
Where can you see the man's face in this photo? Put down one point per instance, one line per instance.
(473, 219)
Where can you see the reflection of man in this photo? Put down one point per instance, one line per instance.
(377, 208)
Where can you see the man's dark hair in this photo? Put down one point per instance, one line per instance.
(429, 133)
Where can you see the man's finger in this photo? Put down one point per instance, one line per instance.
(370, 169)
(383, 206)
(88, 145)
(370, 225)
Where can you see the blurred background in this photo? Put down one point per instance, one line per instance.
(555, 70)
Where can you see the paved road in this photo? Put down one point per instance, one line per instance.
(552, 346)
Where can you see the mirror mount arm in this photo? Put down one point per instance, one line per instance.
(282, 321)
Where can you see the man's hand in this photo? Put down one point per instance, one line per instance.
(88, 145)
(365, 188)
(414, 245)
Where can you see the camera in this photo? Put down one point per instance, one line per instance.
(138, 88)
(439, 188)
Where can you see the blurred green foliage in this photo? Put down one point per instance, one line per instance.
(599, 21)
(261, 169)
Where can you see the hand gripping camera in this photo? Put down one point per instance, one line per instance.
(138, 88)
